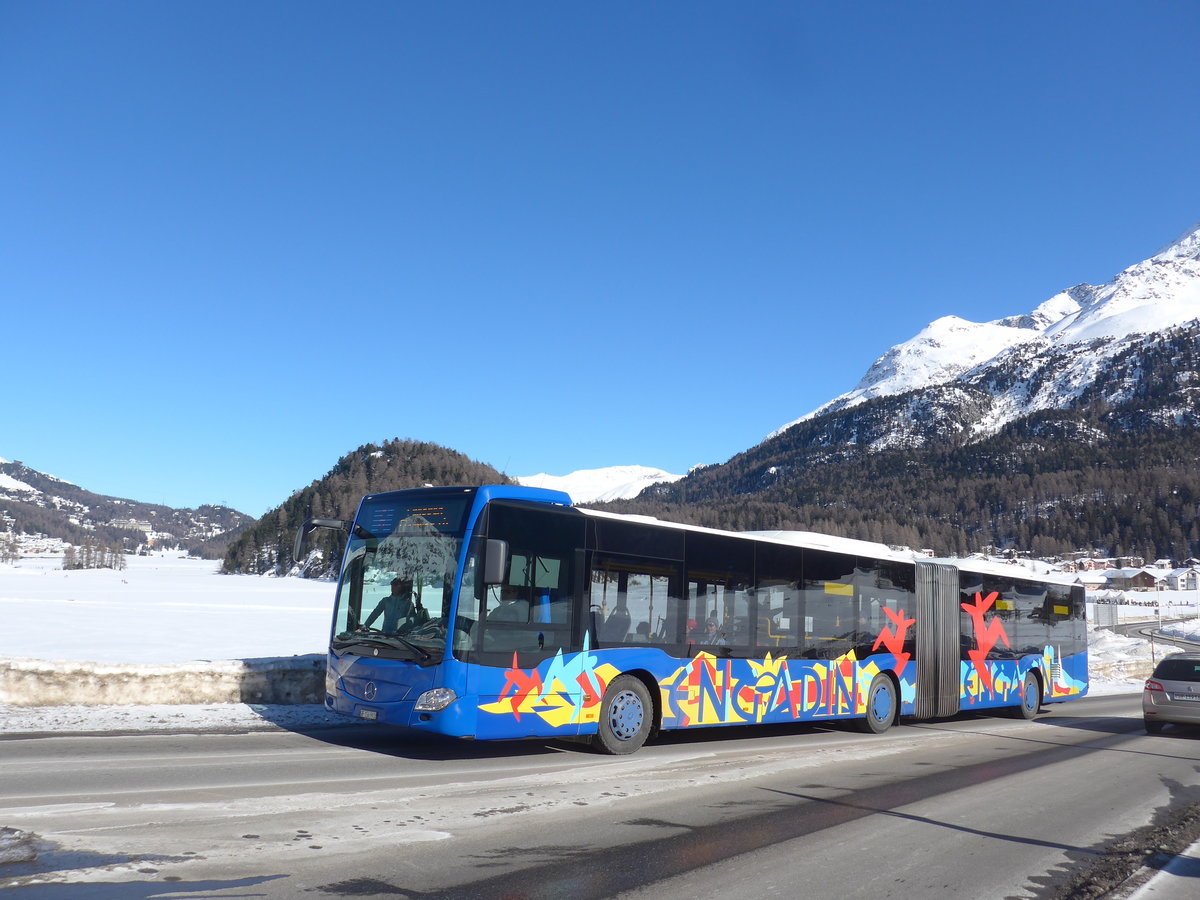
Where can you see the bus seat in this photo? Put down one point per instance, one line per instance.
(617, 625)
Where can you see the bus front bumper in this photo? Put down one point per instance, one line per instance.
(391, 695)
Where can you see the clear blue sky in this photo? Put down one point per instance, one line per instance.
(240, 239)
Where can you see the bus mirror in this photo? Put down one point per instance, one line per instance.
(495, 563)
(312, 525)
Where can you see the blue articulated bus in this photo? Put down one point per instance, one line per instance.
(501, 612)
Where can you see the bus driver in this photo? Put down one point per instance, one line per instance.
(395, 607)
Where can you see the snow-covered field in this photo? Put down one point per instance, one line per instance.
(168, 610)
(160, 610)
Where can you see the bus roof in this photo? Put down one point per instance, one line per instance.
(810, 539)
(852, 547)
(1007, 570)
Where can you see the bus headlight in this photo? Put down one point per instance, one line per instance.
(435, 700)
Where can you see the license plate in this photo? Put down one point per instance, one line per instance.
(368, 714)
(1193, 697)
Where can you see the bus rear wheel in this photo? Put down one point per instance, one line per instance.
(626, 716)
(1031, 697)
(881, 706)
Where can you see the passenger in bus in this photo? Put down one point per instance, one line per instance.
(712, 636)
(396, 607)
(642, 634)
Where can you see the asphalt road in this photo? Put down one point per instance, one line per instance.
(975, 806)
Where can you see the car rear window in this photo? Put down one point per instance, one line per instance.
(1178, 670)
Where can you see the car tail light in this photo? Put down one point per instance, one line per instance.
(1153, 685)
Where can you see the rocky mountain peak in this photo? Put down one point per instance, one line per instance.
(1086, 324)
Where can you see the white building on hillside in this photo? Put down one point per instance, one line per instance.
(1184, 579)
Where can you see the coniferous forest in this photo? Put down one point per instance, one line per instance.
(373, 468)
(1138, 495)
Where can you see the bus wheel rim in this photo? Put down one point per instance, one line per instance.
(881, 704)
(625, 715)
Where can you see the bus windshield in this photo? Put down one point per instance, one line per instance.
(394, 600)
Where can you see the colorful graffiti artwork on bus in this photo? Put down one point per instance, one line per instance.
(987, 635)
(568, 694)
(999, 680)
(1004, 678)
(1062, 682)
(995, 680)
(705, 690)
(708, 691)
(983, 679)
(893, 641)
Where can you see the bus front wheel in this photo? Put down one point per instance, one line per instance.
(881, 706)
(626, 715)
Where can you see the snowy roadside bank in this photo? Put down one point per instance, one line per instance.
(166, 718)
(35, 682)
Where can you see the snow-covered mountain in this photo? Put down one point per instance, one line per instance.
(1015, 366)
(34, 503)
(11, 487)
(601, 485)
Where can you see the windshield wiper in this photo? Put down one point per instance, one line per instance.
(425, 654)
(391, 640)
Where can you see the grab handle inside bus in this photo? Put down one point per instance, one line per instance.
(495, 562)
(309, 526)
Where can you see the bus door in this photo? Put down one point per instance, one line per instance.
(525, 639)
(938, 672)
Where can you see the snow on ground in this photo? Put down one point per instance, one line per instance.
(159, 609)
(163, 717)
(1118, 664)
(1189, 631)
(168, 610)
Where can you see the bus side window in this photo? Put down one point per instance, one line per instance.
(532, 611)
(719, 571)
(780, 615)
(780, 620)
(831, 603)
(989, 618)
(632, 601)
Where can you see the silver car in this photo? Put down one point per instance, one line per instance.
(1172, 693)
